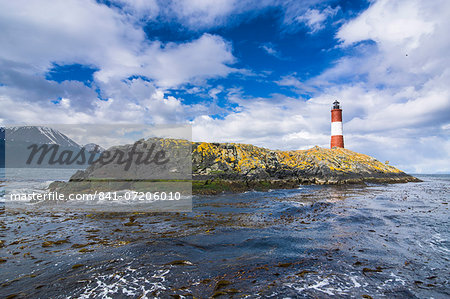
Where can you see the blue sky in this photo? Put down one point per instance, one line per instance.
(262, 72)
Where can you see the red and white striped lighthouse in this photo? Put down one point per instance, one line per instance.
(337, 137)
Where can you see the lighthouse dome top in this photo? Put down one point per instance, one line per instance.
(336, 105)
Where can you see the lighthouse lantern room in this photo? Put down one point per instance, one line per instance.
(337, 136)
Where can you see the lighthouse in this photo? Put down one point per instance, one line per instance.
(337, 137)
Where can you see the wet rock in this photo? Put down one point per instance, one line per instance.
(79, 245)
(284, 265)
(367, 270)
(219, 293)
(180, 262)
(52, 243)
(84, 250)
(304, 272)
(221, 283)
(76, 266)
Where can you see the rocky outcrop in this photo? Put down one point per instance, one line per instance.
(316, 165)
(218, 167)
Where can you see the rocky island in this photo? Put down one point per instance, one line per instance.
(241, 166)
(232, 167)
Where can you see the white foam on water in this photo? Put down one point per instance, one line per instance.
(438, 243)
(398, 278)
(353, 279)
(330, 284)
(129, 284)
(319, 285)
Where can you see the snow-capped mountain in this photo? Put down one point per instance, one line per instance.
(92, 147)
(38, 135)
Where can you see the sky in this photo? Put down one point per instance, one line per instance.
(262, 72)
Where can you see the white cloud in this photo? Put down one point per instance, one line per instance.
(315, 19)
(269, 48)
(392, 23)
(69, 31)
(293, 82)
(172, 64)
(411, 40)
(273, 122)
(203, 13)
(213, 92)
(175, 64)
(141, 10)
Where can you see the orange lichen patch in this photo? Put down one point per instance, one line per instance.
(345, 160)
(235, 156)
(293, 159)
(250, 157)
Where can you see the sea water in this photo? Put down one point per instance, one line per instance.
(377, 240)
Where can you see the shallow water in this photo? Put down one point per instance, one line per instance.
(315, 241)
